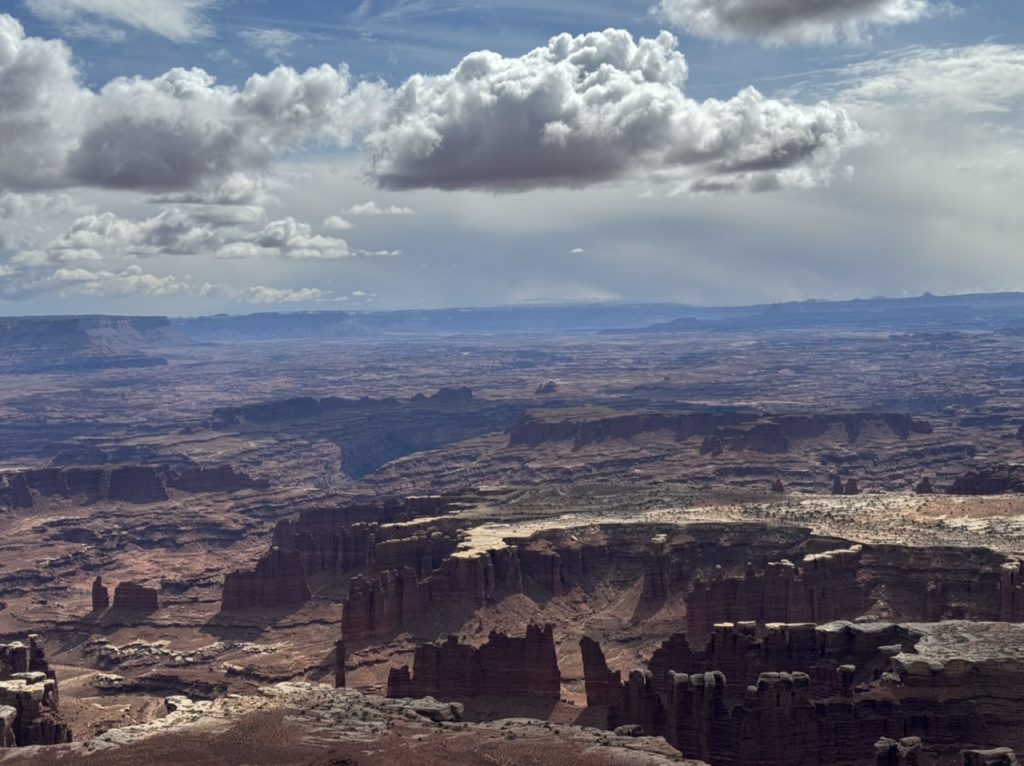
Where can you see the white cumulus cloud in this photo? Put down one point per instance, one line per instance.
(372, 208)
(597, 108)
(264, 295)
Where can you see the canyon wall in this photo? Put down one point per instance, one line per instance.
(503, 667)
(849, 687)
(125, 483)
(721, 429)
(379, 606)
(381, 541)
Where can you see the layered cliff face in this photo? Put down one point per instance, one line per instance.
(737, 431)
(887, 581)
(132, 597)
(848, 699)
(29, 703)
(222, 478)
(503, 667)
(125, 483)
(989, 480)
(835, 657)
(323, 546)
(822, 588)
(393, 601)
(279, 580)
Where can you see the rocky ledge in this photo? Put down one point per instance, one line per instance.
(310, 723)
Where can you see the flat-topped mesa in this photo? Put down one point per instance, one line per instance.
(278, 580)
(822, 588)
(132, 597)
(378, 606)
(100, 595)
(29, 702)
(126, 483)
(340, 540)
(138, 484)
(524, 667)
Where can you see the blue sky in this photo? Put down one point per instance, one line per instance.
(381, 160)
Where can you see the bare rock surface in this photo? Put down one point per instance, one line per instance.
(313, 724)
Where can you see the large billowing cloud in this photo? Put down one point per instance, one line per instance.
(41, 104)
(596, 108)
(790, 21)
(582, 110)
(180, 131)
(178, 20)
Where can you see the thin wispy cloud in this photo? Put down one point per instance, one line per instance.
(177, 20)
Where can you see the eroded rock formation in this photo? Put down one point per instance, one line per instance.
(29, 704)
(379, 606)
(601, 684)
(989, 480)
(325, 544)
(854, 695)
(278, 580)
(100, 595)
(340, 658)
(504, 666)
(821, 588)
(132, 597)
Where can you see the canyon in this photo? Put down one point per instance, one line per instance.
(598, 536)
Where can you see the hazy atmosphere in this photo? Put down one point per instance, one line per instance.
(199, 156)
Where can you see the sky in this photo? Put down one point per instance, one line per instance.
(187, 157)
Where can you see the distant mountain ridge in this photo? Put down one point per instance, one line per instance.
(101, 342)
(83, 343)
